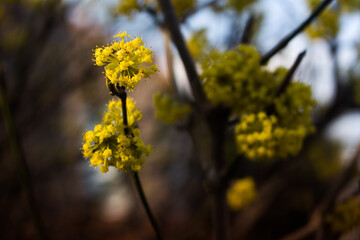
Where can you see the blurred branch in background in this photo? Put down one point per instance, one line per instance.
(19, 156)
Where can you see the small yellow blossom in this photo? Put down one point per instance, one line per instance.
(241, 194)
(126, 62)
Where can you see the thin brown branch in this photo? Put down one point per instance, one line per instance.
(295, 32)
(172, 23)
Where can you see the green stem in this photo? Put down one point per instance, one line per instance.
(146, 205)
(121, 93)
(19, 156)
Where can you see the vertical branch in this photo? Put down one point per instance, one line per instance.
(19, 157)
(217, 122)
(172, 24)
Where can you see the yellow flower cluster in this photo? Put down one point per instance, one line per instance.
(198, 44)
(326, 25)
(125, 61)
(241, 194)
(168, 110)
(294, 106)
(107, 145)
(349, 5)
(236, 79)
(346, 216)
(260, 137)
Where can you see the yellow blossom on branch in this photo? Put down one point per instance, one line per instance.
(126, 61)
(107, 145)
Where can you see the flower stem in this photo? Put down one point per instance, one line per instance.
(121, 93)
(146, 205)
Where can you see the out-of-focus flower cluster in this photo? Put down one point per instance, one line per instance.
(168, 110)
(241, 194)
(260, 136)
(126, 62)
(236, 80)
(346, 216)
(107, 145)
(326, 24)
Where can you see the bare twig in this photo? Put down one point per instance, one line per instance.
(290, 74)
(172, 24)
(299, 29)
(328, 201)
(249, 27)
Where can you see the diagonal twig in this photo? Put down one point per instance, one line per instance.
(328, 201)
(290, 74)
(299, 29)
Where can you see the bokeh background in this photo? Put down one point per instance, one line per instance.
(56, 93)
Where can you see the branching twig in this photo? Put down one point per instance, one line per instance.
(299, 29)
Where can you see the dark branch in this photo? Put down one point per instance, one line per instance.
(249, 27)
(172, 24)
(290, 74)
(299, 29)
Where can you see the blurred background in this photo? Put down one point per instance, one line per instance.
(55, 93)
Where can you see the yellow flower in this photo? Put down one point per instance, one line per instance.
(241, 194)
(168, 110)
(107, 145)
(126, 62)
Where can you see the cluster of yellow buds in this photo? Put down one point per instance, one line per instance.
(126, 62)
(241, 194)
(107, 145)
(236, 79)
(260, 137)
(327, 25)
(168, 110)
